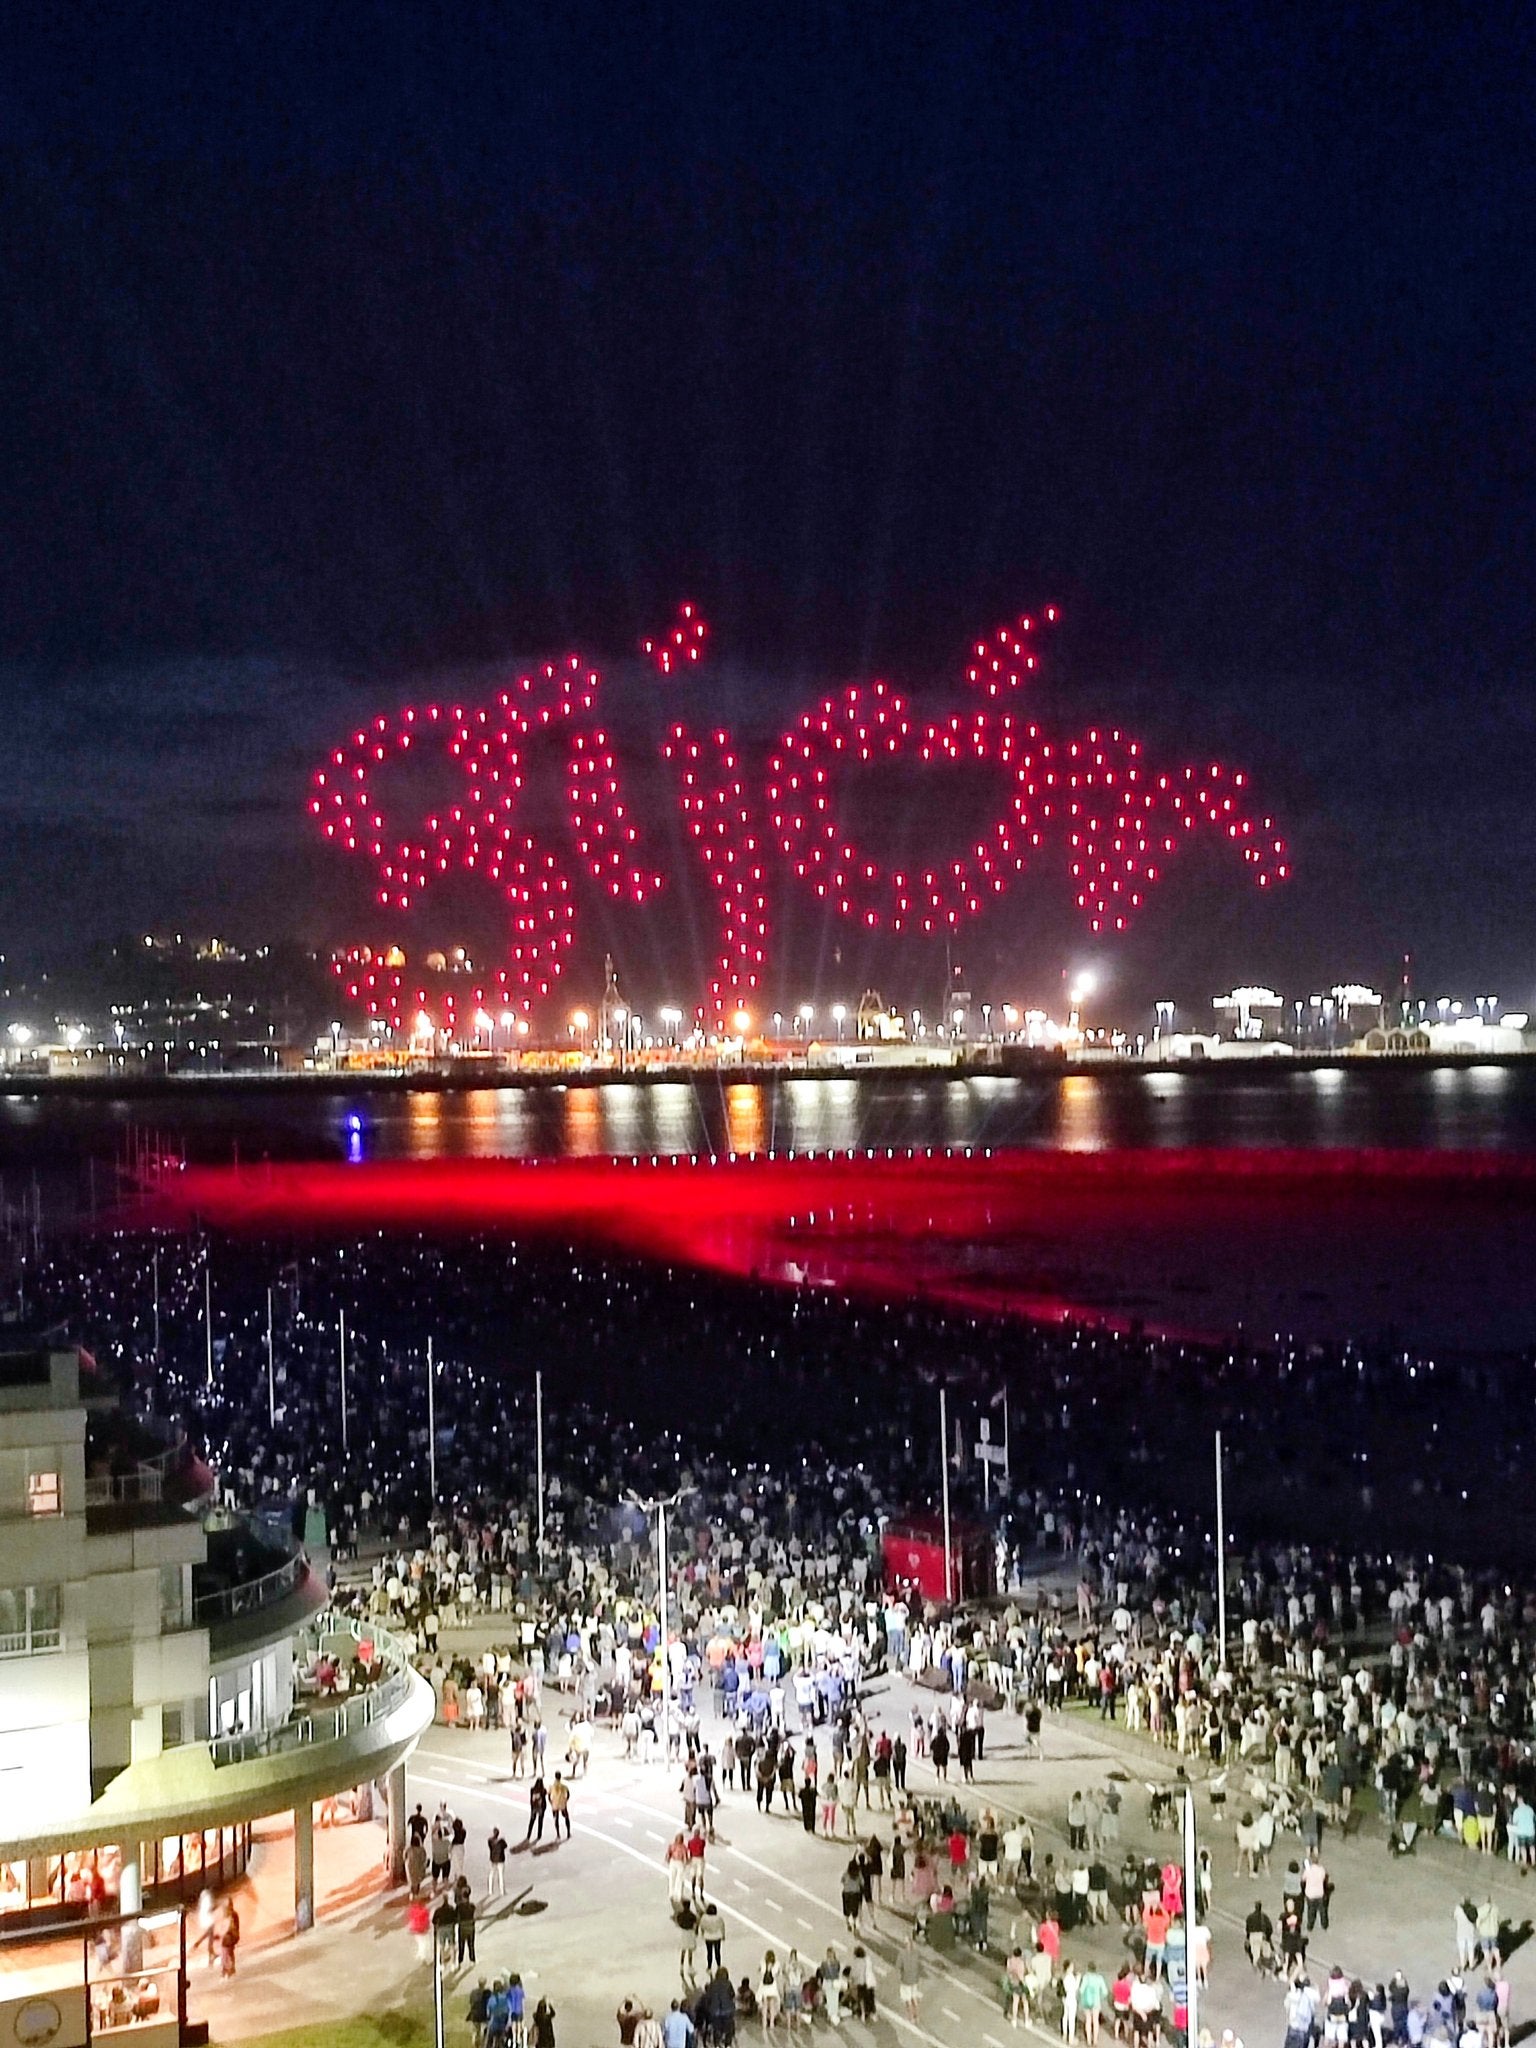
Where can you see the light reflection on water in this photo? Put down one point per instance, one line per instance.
(1378, 1105)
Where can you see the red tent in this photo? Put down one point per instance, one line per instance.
(913, 1553)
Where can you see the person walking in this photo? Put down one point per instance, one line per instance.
(418, 1922)
(538, 1804)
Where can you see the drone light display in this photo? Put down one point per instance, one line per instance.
(1117, 820)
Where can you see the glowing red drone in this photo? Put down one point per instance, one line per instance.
(1120, 820)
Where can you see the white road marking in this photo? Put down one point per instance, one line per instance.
(766, 1933)
(805, 1924)
(952, 2014)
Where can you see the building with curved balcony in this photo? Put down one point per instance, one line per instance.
(169, 1673)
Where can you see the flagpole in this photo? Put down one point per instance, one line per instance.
(1221, 1560)
(1191, 1911)
(538, 1409)
(432, 1423)
(341, 1326)
(155, 1265)
(949, 1571)
(208, 1310)
(271, 1369)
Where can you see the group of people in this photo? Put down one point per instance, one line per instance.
(1351, 1661)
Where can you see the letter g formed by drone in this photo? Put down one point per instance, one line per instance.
(1118, 820)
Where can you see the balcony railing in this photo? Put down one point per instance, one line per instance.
(146, 1483)
(23, 1642)
(229, 1602)
(332, 1720)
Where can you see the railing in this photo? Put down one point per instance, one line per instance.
(333, 1721)
(252, 1595)
(22, 1642)
(110, 1490)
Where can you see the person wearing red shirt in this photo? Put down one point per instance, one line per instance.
(1155, 1919)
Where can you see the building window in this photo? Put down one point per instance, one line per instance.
(29, 1620)
(173, 1599)
(43, 1494)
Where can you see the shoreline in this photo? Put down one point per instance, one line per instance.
(465, 1077)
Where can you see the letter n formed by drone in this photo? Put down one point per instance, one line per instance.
(1118, 820)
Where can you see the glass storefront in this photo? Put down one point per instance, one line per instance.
(173, 1871)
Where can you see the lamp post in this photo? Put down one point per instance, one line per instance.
(1221, 1558)
(538, 1414)
(432, 1424)
(1191, 1909)
(341, 1341)
(949, 1568)
(657, 1505)
(839, 1013)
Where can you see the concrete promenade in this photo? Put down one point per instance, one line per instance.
(587, 1922)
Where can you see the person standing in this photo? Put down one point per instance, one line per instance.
(543, 2024)
(418, 1921)
(229, 1938)
(464, 1921)
(687, 1944)
(496, 1857)
(712, 1933)
(538, 1802)
(862, 1971)
(560, 1806)
(911, 1977)
(808, 1805)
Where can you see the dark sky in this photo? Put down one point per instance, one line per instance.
(347, 350)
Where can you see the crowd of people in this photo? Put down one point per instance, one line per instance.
(789, 1428)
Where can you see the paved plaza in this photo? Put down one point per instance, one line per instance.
(586, 1922)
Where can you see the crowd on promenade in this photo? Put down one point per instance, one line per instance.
(792, 1426)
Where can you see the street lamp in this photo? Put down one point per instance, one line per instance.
(806, 1013)
(839, 1013)
(986, 1021)
(778, 1023)
(579, 1023)
(658, 1505)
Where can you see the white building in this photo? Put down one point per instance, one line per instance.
(165, 1672)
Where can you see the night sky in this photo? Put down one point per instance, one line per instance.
(352, 354)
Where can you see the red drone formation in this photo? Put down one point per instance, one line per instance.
(1118, 820)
